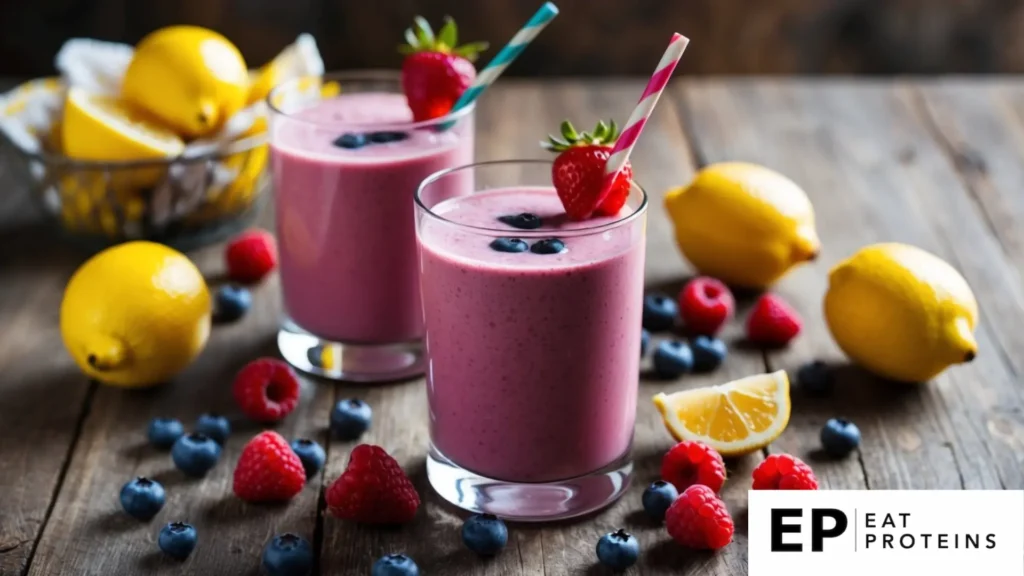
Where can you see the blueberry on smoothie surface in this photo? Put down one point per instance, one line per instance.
(522, 221)
(511, 245)
(387, 136)
(350, 141)
(548, 246)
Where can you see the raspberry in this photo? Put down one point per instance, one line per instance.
(251, 256)
(266, 390)
(268, 470)
(689, 463)
(705, 305)
(772, 322)
(784, 472)
(373, 489)
(699, 520)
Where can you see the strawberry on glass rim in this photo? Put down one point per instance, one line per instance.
(578, 171)
(436, 70)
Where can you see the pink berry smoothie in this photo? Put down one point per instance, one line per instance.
(345, 218)
(534, 358)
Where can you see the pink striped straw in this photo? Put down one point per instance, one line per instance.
(635, 124)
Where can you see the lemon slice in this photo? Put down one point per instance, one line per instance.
(101, 128)
(735, 418)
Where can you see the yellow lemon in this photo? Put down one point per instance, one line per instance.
(135, 314)
(901, 312)
(735, 418)
(191, 78)
(743, 223)
(102, 128)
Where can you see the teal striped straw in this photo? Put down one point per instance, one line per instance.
(510, 52)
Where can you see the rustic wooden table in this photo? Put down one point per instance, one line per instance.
(937, 164)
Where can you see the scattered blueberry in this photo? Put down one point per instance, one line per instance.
(524, 221)
(350, 141)
(195, 454)
(658, 497)
(645, 342)
(142, 498)
(618, 550)
(672, 359)
(484, 534)
(231, 303)
(708, 353)
(840, 437)
(508, 245)
(395, 565)
(660, 312)
(815, 378)
(215, 426)
(311, 454)
(163, 432)
(350, 418)
(288, 555)
(385, 137)
(548, 246)
(178, 540)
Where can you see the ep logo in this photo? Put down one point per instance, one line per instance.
(821, 522)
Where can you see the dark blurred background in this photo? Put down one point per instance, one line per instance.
(591, 37)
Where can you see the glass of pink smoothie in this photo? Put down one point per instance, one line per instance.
(533, 342)
(345, 168)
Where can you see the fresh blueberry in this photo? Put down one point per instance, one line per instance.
(350, 418)
(214, 426)
(672, 359)
(350, 141)
(509, 245)
(708, 353)
(660, 312)
(231, 303)
(395, 565)
(618, 550)
(385, 137)
(645, 342)
(311, 455)
(142, 498)
(815, 378)
(164, 432)
(195, 454)
(548, 246)
(178, 540)
(658, 497)
(524, 221)
(288, 555)
(484, 534)
(840, 437)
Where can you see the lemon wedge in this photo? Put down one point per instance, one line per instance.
(735, 418)
(101, 128)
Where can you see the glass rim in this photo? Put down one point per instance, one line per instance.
(369, 75)
(584, 231)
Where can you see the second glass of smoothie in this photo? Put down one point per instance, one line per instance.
(345, 168)
(533, 339)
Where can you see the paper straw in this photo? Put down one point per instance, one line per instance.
(510, 52)
(637, 120)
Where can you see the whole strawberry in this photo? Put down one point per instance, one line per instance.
(373, 489)
(268, 470)
(578, 171)
(436, 70)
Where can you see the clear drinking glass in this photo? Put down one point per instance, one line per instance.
(346, 160)
(533, 355)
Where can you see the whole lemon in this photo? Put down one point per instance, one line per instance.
(190, 78)
(742, 223)
(901, 312)
(135, 314)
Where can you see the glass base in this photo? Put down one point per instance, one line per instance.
(528, 502)
(351, 362)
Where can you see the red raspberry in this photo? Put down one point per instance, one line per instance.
(689, 463)
(251, 256)
(268, 470)
(266, 390)
(784, 472)
(705, 305)
(373, 489)
(699, 520)
(772, 322)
